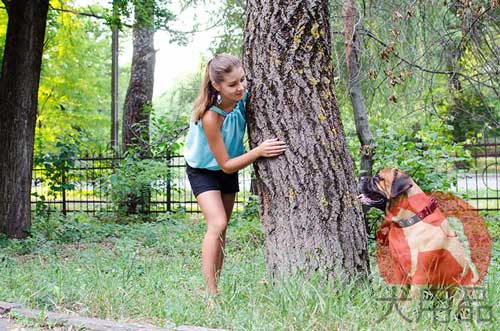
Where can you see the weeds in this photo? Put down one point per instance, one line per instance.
(151, 271)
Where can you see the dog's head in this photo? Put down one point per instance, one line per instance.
(388, 184)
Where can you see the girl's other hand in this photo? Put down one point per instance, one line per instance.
(271, 147)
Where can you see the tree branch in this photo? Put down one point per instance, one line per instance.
(71, 11)
(415, 65)
(79, 13)
(193, 31)
(164, 28)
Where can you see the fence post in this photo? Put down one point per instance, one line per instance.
(169, 186)
(63, 179)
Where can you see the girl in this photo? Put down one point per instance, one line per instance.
(214, 154)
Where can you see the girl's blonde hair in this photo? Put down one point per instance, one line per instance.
(216, 69)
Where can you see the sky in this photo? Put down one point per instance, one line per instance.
(172, 61)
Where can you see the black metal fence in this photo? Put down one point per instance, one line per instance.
(479, 183)
(91, 184)
(94, 183)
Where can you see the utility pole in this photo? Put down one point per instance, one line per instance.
(114, 83)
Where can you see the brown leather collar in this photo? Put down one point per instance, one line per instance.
(429, 209)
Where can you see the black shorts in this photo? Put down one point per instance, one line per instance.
(203, 180)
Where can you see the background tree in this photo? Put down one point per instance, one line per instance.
(352, 22)
(21, 65)
(138, 101)
(149, 16)
(310, 217)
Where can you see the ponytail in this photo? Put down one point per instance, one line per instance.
(206, 96)
(216, 68)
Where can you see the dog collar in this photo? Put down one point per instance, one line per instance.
(429, 209)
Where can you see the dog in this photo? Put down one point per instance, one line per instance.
(423, 248)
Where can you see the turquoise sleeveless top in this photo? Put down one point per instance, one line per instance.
(197, 152)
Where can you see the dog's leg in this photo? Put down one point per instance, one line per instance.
(403, 293)
(462, 300)
(409, 304)
(414, 260)
(415, 292)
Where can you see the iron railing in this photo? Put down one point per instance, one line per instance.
(479, 182)
(89, 180)
(91, 186)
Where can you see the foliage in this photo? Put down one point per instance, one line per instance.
(3, 33)
(246, 227)
(57, 229)
(57, 164)
(425, 150)
(171, 114)
(251, 210)
(421, 146)
(407, 56)
(56, 174)
(231, 15)
(74, 87)
(131, 184)
(470, 115)
(168, 134)
(130, 12)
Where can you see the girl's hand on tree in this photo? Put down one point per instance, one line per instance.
(271, 147)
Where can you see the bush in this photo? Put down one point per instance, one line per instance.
(132, 182)
(425, 151)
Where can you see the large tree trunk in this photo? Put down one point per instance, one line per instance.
(136, 113)
(353, 72)
(309, 212)
(21, 67)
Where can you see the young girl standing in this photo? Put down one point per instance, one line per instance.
(214, 154)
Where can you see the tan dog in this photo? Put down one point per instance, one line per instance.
(424, 249)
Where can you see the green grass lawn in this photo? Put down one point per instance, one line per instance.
(150, 272)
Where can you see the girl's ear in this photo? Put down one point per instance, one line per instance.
(215, 86)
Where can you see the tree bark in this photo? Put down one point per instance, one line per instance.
(352, 40)
(136, 114)
(19, 83)
(311, 219)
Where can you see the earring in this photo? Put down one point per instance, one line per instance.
(219, 99)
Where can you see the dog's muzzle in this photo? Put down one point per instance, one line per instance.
(369, 194)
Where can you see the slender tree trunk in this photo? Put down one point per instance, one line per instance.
(311, 218)
(352, 40)
(18, 110)
(136, 114)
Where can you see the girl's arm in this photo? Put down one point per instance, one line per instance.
(212, 127)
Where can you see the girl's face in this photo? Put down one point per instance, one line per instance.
(232, 89)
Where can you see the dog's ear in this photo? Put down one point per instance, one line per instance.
(401, 184)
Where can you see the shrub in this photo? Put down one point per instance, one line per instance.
(131, 184)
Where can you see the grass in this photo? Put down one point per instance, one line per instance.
(150, 272)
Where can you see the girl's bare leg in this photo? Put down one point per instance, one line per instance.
(228, 201)
(212, 206)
